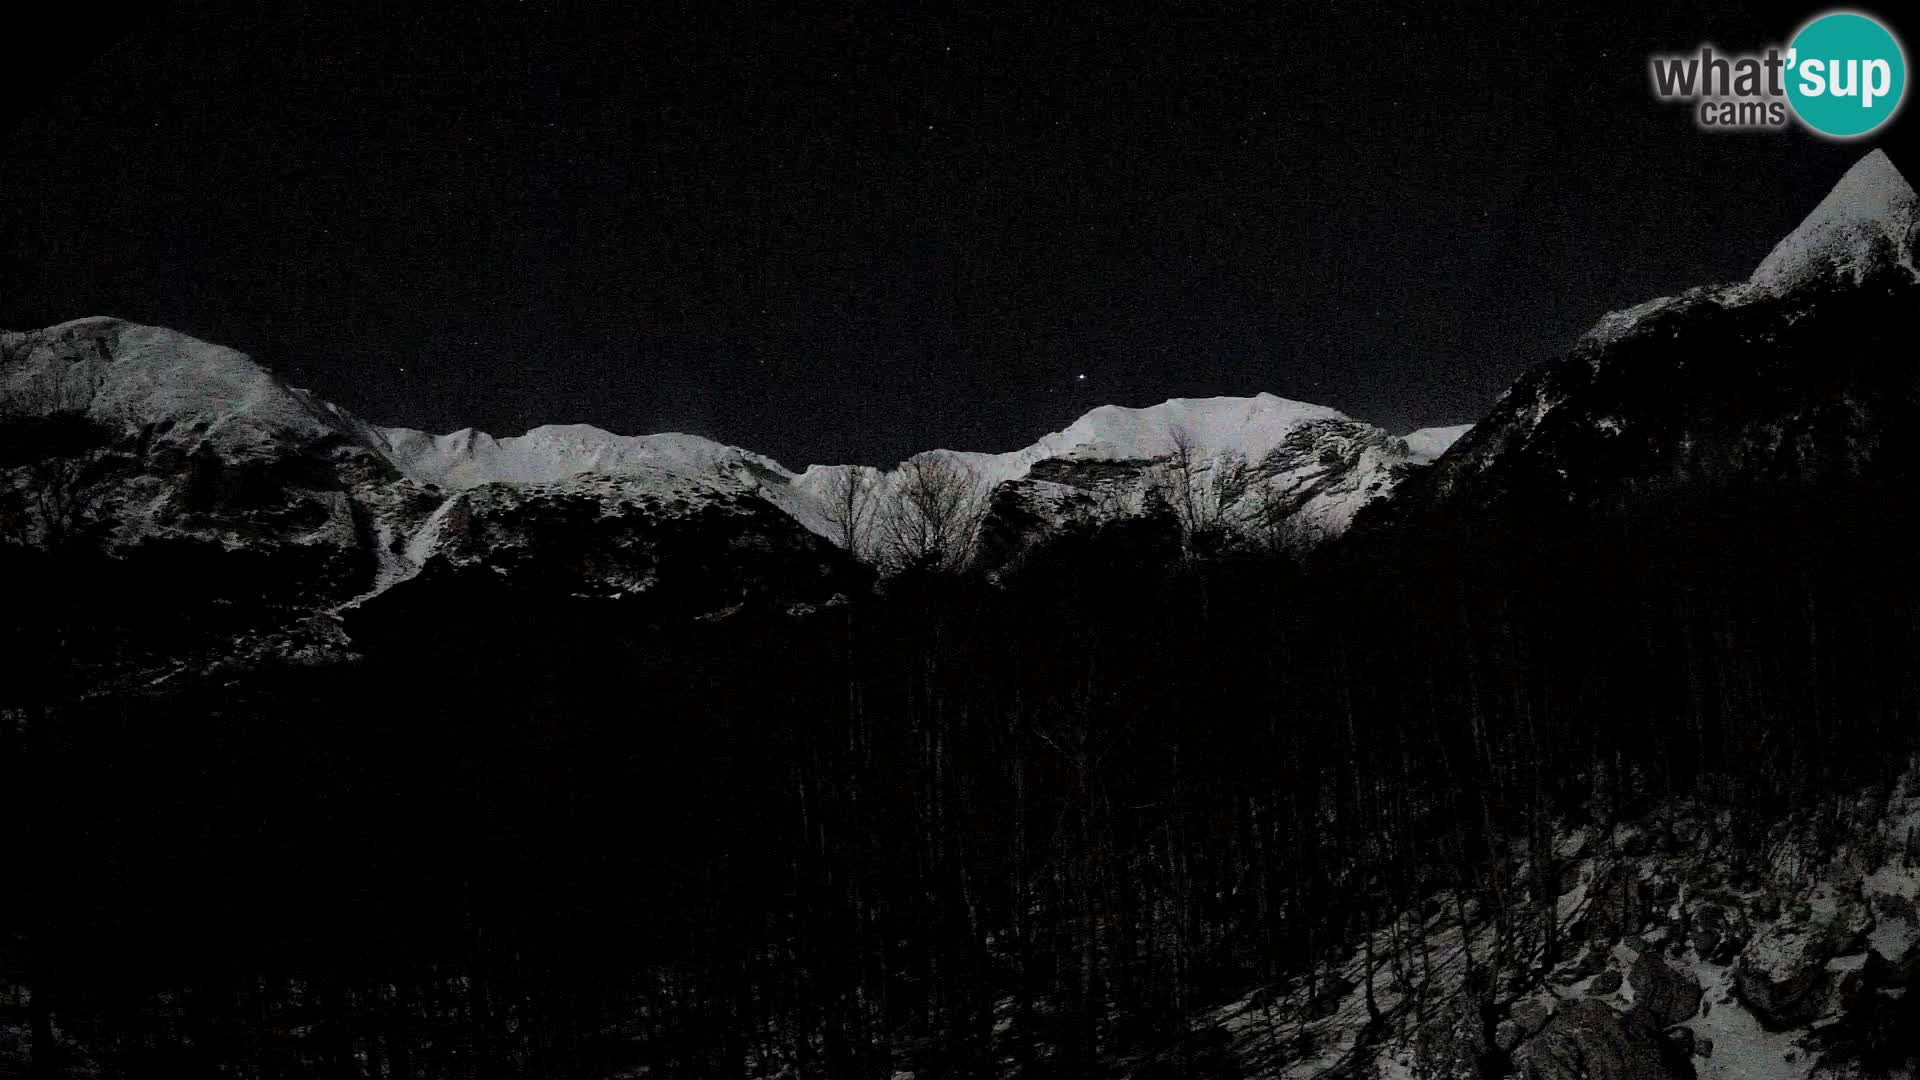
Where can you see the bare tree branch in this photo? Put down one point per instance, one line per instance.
(1208, 496)
(851, 501)
(933, 515)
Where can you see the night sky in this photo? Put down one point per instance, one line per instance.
(835, 233)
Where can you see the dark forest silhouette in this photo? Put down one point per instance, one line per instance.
(534, 836)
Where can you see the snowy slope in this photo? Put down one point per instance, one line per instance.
(1332, 463)
(123, 375)
(1249, 426)
(1427, 444)
(552, 453)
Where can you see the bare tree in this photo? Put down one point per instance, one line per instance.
(54, 480)
(1207, 496)
(14, 517)
(933, 515)
(850, 499)
(1179, 480)
(62, 495)
(1274, 525)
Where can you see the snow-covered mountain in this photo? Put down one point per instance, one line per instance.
(1794, 372)
(182, 457)
(158, 438)
(1317, 462)
(1863, 227)
(1801, 374)
(134, 434)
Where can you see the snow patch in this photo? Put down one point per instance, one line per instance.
(1427, 444)
(1742, 1048)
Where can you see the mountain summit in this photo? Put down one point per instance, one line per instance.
(1864, 224)
(1798, 378)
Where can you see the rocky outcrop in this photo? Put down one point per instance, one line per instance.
(1588, 1041)
(1784, 973)
(654, 536)
(1717, 928)
(127, 438)
(1668, 994)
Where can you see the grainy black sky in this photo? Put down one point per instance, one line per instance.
(831, 232)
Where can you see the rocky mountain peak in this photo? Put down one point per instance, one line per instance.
(1865, 223)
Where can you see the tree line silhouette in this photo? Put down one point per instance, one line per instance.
(1035, 826)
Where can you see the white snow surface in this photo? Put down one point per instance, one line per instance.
(1426, 444)
(122, 374)
(556, 452)
(1250, 426)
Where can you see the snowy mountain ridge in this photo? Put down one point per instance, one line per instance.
(1252, 427)
(556, 452)
(194, 441)
(207, 444)
(1212, 430)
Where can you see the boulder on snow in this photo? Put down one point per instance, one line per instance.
(1891, 893)
(1524, 1017)
(1668, 994)
(1588, 1041)
(1783, 975)
(1531, 1014)
(1717, 929)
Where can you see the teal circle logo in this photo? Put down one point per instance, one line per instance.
(1846, 74)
